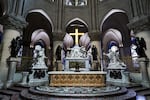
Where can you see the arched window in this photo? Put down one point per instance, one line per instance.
(76, 2)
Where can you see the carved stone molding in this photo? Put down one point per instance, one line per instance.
(138, 24)
(13, 22)
(58, 36)
(95, 35)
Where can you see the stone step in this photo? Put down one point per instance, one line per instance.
(33, 94)
(8, 92)
(16, 88)
(4, 97)
(21, 93)
(133, 85)
(140, 89)
(127, 85)
(21, 86)
(130, 95)
(144, 93)
(28, 96)
(13, 95)
(16, 97)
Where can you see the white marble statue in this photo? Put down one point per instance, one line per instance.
(133, 51)
(77, 52)
(134, 55)
(113, 56)
(116, 70)
(39, 57)
(83, 52)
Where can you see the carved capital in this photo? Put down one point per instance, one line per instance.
(138, 24)
(13, 22)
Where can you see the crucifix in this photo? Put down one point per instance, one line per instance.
(76, 34)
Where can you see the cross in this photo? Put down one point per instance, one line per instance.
(76, 34)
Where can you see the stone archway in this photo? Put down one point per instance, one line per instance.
(108, 15)
(112, 35)
(40, 34)
(117, 20)
(39, 27)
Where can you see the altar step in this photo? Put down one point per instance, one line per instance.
(12, 93)
(122, 94)
(142, 91)
(26, 93)
(4, 97)
(139, 89)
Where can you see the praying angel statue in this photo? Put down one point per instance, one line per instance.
(114, 60)
(39, 57)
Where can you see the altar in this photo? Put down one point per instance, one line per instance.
(70, 78)
(76, 65)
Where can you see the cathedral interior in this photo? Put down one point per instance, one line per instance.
(75, 38)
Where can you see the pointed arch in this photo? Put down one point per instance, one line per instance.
(109, 14)
(117, 19)
(42, 12)
(40, 34)
(112, 35)
(77, 19)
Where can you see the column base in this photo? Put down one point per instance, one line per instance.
(1, 84)
(9, 84)
(144, 63)
(145, 84)
(24, 79)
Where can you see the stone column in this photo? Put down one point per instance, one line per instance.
(140, 23)
(12, 63)
(9, 34)
(60, 15)
(66, 65)
(144, 63)
(101, 57)
(20, 7)
(140, 26)
(93, 14)
(12, 28)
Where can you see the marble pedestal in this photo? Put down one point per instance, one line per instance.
(38, 76)
(69, 78)
(24, 79)
(83, 60)
(117, 75)
(144, 63)
(12, 63)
